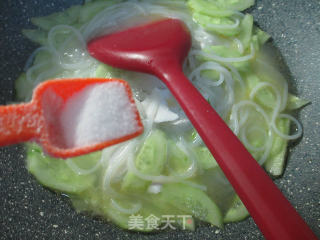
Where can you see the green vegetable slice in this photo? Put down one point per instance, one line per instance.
(276, 161)
(190, 200)
(236, 212)
(216, 24)
(205, 158)
(237, 5)
(150, 160)
(246, 30)
(208, 8)
(95, 202)
(295, 102)
(262, 36)
(56, 174)
(178, 160)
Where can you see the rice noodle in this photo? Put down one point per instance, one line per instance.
(59, 52)
(243, 136)
(31, 70)
(112, 19)
(237, 74)
(46, 75)
(235, 109)
(287, 136)
(32, 57)
(237, 125)
(207, 66)
(280, 102)
(118, 158)
(267, 148)
(162, 178)
(285, 84)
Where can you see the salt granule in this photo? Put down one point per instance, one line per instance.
(98, 113)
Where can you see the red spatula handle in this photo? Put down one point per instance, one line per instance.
(18, 123)
(271, 211)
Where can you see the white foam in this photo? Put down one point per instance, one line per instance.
(98, 113)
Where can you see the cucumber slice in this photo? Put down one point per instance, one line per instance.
(237, 5)
(208, 8)
(246, 30)
(150, 160)
(262, 36)
(178, 161)
(295, 102)
(96, 203)
(236, 212)
(215, 24)
(116, 217)
(205, 158)
(55, 173)
(132, 183)
(276, 161)
(191, 201)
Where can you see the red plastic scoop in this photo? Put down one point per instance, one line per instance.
(159, 48)
(46, 121)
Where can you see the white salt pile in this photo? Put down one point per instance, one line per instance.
(98, 113)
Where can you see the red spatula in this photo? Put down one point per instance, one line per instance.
(159, 48)
(41, 119)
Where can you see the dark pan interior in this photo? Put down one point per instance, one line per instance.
(28, 211)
